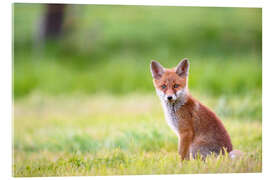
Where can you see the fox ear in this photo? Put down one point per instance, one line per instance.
(156, 69)
(183, 67)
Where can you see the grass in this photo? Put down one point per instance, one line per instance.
(118, 42)
(115, 135)
(84, 103)
(53, 77)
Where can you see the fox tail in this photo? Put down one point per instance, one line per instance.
(235, 154)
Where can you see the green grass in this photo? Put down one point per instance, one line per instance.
(84, 103)
(114, 135)
(213, 76)
(116, 43)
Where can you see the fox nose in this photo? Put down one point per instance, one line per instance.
(169, 97)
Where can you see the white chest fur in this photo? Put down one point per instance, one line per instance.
(170, 109)
(171, 116)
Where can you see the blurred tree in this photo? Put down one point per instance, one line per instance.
(53, 21)
(50, 26)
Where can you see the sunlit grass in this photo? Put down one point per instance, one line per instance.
(110, 135)
(117, 126)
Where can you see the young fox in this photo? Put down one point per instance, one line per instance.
(198, 129)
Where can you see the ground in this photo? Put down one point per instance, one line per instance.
(115, 135)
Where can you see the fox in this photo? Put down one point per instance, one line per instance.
(200, 132)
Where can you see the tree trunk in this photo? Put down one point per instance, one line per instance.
(53, 21)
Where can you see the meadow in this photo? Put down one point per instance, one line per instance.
(84, 104)
(108, 135)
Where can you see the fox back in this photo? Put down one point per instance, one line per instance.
(199, 130)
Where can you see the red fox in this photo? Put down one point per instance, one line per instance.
(199, 130)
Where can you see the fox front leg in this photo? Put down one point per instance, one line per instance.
(184, 142)
(179, 145)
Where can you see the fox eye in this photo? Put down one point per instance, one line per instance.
(163, 86)
(176, 86)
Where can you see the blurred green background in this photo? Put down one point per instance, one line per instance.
(107, 49)
(84, 101)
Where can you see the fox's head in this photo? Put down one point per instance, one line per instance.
(171, 84)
